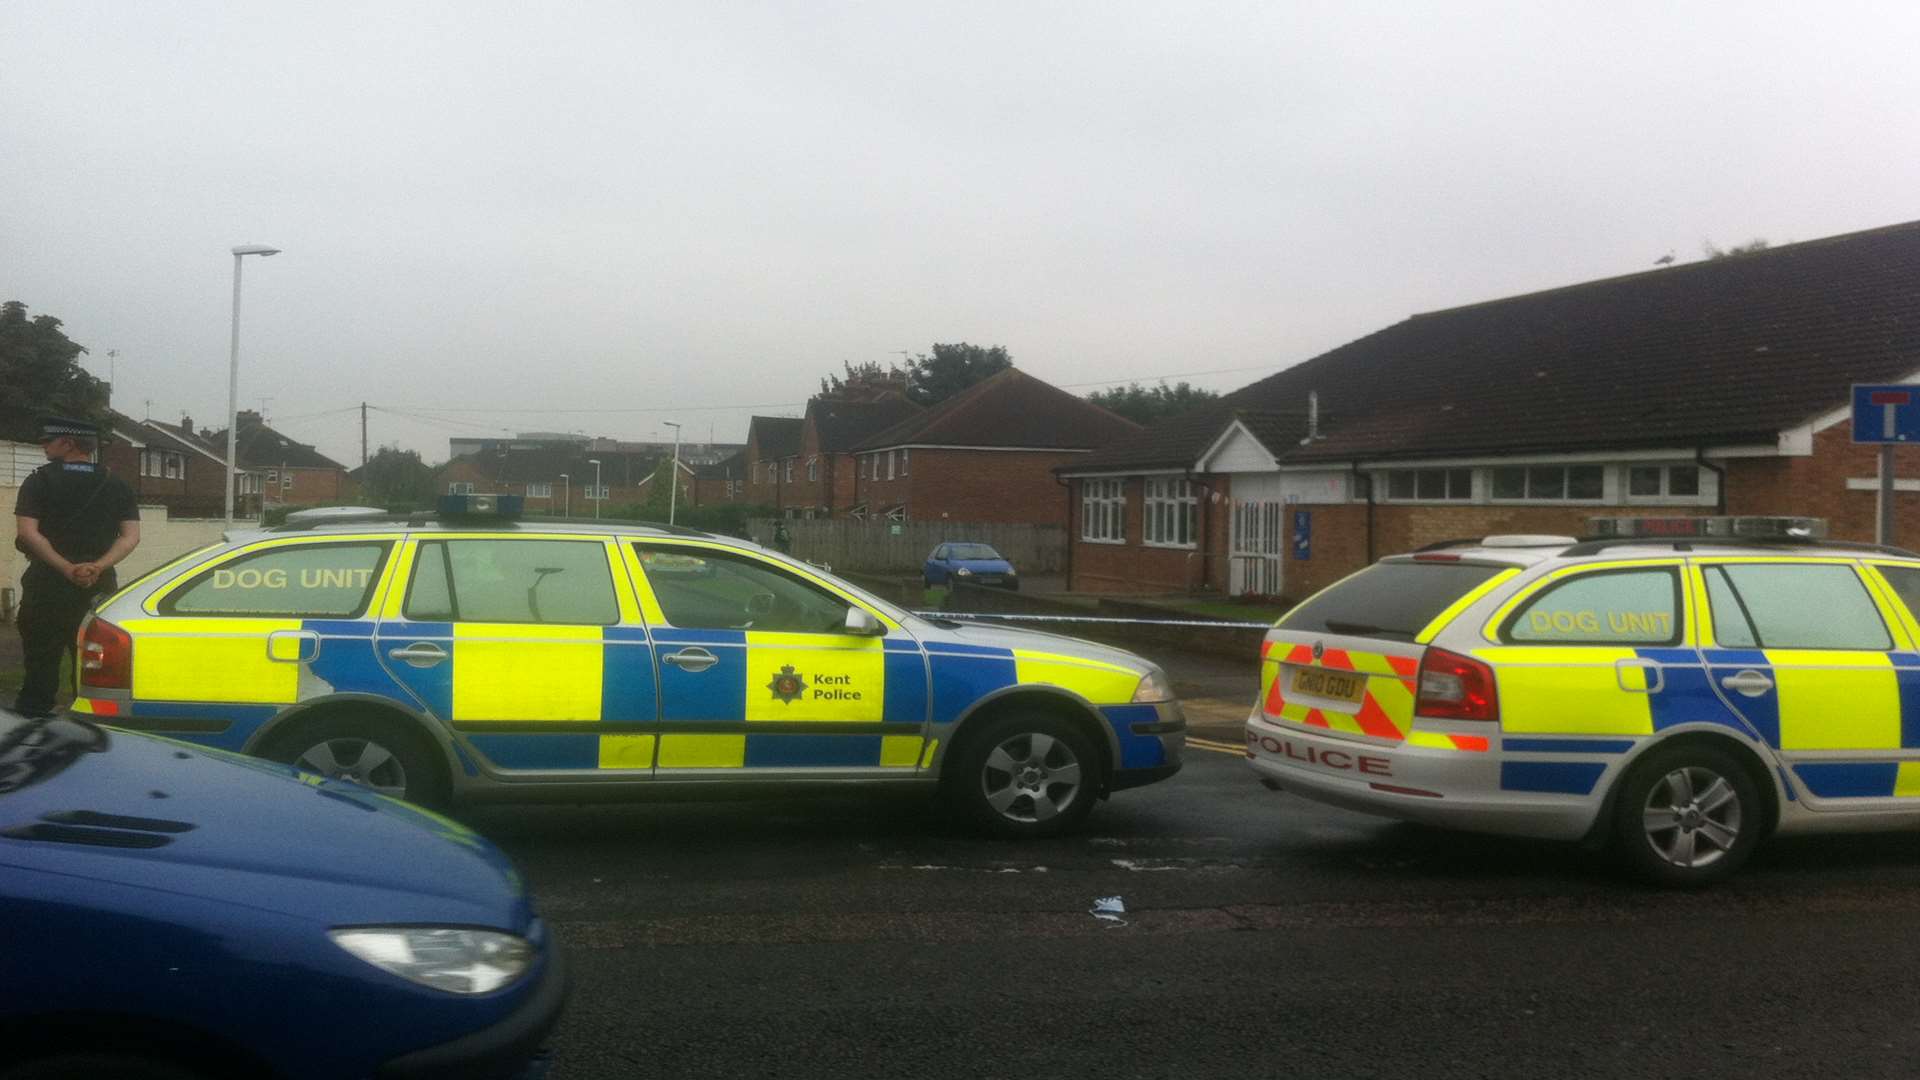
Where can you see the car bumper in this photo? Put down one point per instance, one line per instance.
(509, 1050)
(1152, 738)
(1445, 787)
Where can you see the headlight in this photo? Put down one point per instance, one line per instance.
(1153, 687)
(964, 572)
(1011, 572)
(457, 961)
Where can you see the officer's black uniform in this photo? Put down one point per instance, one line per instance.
(79, 506)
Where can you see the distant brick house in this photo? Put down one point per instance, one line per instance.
(773, 450)
(1712, 387)
(985, 455)
(721, 482)
(174, 467)
(292, 473)
(559, 478)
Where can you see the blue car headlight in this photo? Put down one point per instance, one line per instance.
(459, 961)
(964, 572)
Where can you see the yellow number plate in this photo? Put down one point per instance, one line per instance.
(1342, 685)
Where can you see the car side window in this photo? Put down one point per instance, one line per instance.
(316, 581)
(1906, 583)
(1732, 628)
(940, 555)
(1605, 607)
(564, 582)
(703, 589)
(1805, 606)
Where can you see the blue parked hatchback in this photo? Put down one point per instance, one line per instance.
(969, 563)
(169, 911)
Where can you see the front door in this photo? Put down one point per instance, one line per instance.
(759, 672)
(1818, 662)
(529, 648)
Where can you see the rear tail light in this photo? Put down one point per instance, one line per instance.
(106, 656)
(1455, 687)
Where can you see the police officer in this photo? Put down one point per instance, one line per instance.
(75, 522)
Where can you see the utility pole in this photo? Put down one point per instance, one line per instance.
(673, 473)
(363, 442)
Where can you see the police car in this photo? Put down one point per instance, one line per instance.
(1682, 687)
(473, 655)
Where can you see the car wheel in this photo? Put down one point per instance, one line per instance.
(383, 757)
(1026, 774)
(1688, 816)
(97, 1067)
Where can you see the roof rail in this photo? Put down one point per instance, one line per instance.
(354, 515)
(1442, 545)
(1688, 543)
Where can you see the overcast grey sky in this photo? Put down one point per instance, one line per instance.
(670, 207)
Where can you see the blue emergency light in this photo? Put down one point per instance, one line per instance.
(493, 506)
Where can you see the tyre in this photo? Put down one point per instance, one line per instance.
(379, 755)
(96, 1067)
(1026, 774)
(1687, 816)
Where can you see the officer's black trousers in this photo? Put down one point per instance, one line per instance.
(49, 619)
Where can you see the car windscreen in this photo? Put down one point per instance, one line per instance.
(972, 551)
(1389, 599)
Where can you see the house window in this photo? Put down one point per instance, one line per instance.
(1550, 483)
(540, 491)
(594, 491)
(789, 470)
(1103, 511)
(903, 463)
(1430, 485)
(889, 464)
(813, 468)
(1658, 482)
(173, 466)
(1171, 508)
(146, 463)
(286, 480)
(457, 487)
(273, 476)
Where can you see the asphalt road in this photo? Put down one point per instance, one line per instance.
(1263, 936)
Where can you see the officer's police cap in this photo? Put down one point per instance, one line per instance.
(60, 427)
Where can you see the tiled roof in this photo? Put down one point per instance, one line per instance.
(844, 424)
(779, 436)
(1010, 409)
(732, 467)
(155, 436)
(1723, 352)
(261, 447)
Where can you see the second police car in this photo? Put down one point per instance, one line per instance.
(1683, 689)
(475, 656)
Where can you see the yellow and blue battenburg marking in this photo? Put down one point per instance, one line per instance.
(962, 674)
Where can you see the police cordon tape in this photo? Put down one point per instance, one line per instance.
(1207, 623)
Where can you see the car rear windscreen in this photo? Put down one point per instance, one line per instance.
(1392, 599)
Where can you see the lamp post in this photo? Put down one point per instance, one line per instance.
(599, 495)
(673, 474)
(233, 367)
(566, 493)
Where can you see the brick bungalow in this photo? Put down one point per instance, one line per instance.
(1711, 387)
(984, 455)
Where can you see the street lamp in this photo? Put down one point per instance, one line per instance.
(566, 493)
(673, 475)
(599, 494)
(233, 367)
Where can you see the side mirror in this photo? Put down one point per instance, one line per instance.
(860, 622)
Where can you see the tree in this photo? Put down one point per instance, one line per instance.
(951, 369)
(1758, 243)
(40, 368)
(864, 382)
(394, 477)
(1151, 404)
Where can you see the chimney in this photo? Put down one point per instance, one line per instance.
(186, 425)
(1313, 417)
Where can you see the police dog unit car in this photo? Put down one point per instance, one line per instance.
(1682, 687)
(473, 655)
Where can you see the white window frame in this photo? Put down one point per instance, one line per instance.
(173, 466)
(286, 480)
(454, 487)
(890, 464)
(813, 468)
(1383, 485)
(1163, 522)
(1703, 495)
(1103, 510)
(903, 461)
(1530, 499)
(539, 490)
(789, 471)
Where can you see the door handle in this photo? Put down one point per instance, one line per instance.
(1652, 674)
(304, 646)
(1751, 683)
(420, 654)
(691, 659)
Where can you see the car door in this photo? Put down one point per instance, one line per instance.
(279, 622)
(530, 647)
(1813, 655)
(937, 566)
(760, 674)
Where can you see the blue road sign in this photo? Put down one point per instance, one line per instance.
(1302, 534)
(1886, 414)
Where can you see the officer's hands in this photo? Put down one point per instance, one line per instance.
(84, 574)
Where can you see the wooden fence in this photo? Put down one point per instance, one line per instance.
(903, 546)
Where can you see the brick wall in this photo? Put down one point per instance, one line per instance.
(1133, 567)
(1015, 487)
